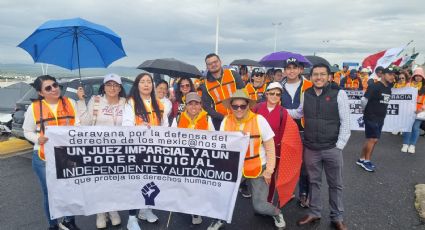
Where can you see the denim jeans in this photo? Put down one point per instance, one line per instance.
(410, 138)
(39, 167)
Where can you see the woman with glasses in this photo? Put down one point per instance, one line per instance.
(184, 86)
(257, 86)
(402, 79)
(105, 109)
(143, 109)
(50, 109)
(260, 159)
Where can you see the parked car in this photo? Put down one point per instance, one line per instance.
(69, 89)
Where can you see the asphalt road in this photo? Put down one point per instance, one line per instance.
(380, 200)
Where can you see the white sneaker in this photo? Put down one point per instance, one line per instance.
(411, 149)
(196, 219)
(147, 214)
(279, 222)
(101, 220)
(404, 148)
(115, 218)
(132, 223)
(216, 225)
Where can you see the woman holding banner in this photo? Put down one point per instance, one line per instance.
(143, 109)
(104, 109)
(50, 109)
(260, 157)
(410, 138)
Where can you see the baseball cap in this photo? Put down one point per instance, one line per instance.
(291, 61)
(274, 85)
(390, 70)
(192, 96)
(258, 71)
(112, 77)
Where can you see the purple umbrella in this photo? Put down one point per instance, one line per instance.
(277, 59)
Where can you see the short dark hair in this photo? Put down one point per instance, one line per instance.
(379, 69)
(161, 81)
(320, 65)
(211, 55)
(277, 70)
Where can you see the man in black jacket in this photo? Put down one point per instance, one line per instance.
(326, 132)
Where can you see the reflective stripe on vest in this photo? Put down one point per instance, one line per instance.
(64, 116)
(420, 102)
(153, 119)
(253, 163)
(306, 85)
(252, 92)
(200, 122)
(221, 91)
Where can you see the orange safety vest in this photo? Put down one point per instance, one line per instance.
(200, 121)
(420, 101)
(337, 76)
(153, 119)
(364, 83)
(253, 163)
(64, 116)
(306, 84)
(252, 92)
(351, 84)
(221, 91)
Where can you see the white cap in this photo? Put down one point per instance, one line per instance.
(112, 77)
(274, 85)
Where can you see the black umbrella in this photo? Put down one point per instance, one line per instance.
(171, 67)
(247, 62)
(316, 60)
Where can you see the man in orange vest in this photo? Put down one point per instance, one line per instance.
(260, 159)
(220, 84)
(351, 82)
(338, 76)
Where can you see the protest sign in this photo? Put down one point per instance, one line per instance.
(97, 169)
(400, 112)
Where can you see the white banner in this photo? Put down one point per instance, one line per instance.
(400, 112)
(97, 169)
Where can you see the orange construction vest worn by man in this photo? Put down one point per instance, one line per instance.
(219, 85)
(45, 116)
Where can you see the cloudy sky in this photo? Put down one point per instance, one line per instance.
(185, 29)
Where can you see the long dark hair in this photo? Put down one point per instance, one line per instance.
(179, 94)
(101, 91)
(38, 84)
(139, 105)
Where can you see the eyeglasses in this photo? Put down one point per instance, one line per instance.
(50, 87)
(242, 107)
(112, 85)
(213, 62)
(185, 86)
(273, 94)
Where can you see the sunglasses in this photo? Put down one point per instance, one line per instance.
(50, 87)
(185, 86)
(242, 107)
(258, 75)
(273, 93)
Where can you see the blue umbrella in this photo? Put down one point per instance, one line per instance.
(73, 44)
(277, 59)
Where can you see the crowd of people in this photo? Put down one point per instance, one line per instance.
(265, 105)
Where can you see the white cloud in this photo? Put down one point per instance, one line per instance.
(186, 29)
